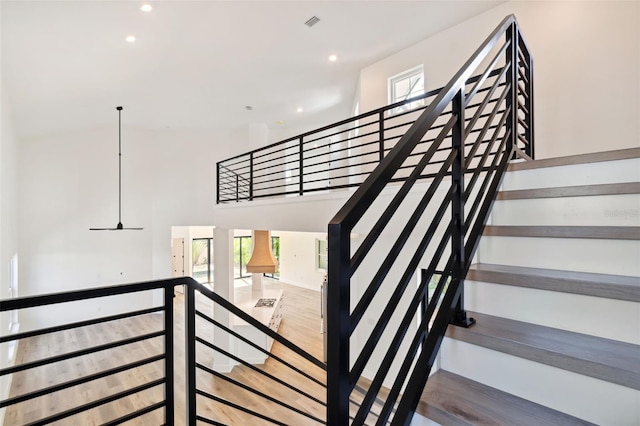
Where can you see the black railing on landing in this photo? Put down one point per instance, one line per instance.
(89, 375)
(398, 253)
(337, 156)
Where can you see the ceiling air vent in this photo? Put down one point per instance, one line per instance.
(312, 21)
(248, 107)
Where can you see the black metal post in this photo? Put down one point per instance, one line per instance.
(530, 133)
(425, 301)
(457, 211)
(338, 326)
(251, 177)
(169, 411)
(512, 80)
(190, 352)
(381, 134)
(301, 168)
(217, 183)
(237, 188)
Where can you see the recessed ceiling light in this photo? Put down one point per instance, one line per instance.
(333, 58)
(280, 122)
(130, 38)
(299, 109)
(146, 7)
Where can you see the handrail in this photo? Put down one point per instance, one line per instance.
(501, 124)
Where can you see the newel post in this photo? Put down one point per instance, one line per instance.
(338, 326)
(457, 211)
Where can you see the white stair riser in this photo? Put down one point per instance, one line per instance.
(601, 210)
(617, 257)
(581, 396)
(609, 318)
(578, 174)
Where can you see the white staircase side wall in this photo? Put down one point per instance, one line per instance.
(581, 396)
(577, 174)
(600, 210)
(608, 318)
(616, 257)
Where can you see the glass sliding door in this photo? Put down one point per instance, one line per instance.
(202, 260)
(241, 255)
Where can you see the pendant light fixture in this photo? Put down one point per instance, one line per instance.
(119, 226)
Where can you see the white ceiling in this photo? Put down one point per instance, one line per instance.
(196, 64)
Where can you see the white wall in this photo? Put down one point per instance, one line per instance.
(586, 66)
(8, 221)
(69, 184)
(298, 264)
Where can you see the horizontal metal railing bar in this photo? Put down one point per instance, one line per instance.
(392, 302)
(238, 407)
(522, 107)
(257, 324)
(257, 392)
(398, 338)
(488, 71)
(139, 413)
(478, 226)
(296, 160)
(81, 352)
(486, 128)
(522, 90)
(382, 222)
(94, 404)
(63, 327)
(79, 381)
(259, 371)
(405, 367)
(408, 123)
(476, 105)
(523, 124)
(258, 347)
(209, 421)
(72, 296)
(471, 214)
(342, 122)
(523, 139)
(488, 151)
(337, 187)
(475, 118)
(522, 74)
(396, 115)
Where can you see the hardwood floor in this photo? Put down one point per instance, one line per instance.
(301, 325)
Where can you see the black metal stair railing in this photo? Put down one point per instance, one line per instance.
(136, 375)
(426, 231)
(146, 350)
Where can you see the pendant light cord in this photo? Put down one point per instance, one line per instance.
(119, 165)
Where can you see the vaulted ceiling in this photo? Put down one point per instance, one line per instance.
(198, 64)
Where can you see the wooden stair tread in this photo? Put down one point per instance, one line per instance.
(450, 399)
(571, 191)
(621, 154)
(592, 232)
(605, 359)
(590, 284)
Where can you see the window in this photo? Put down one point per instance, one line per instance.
(202, 260)
(242, 247)
(321, 254)
(406, 85)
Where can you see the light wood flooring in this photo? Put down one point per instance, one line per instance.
(301, 325)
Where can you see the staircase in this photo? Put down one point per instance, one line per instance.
(556, 296)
